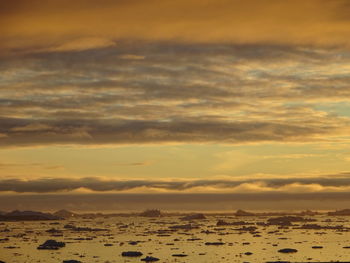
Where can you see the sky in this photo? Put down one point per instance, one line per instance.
(174, 97)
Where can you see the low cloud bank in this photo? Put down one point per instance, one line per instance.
(338, 183)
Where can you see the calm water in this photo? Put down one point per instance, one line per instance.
(156, 240)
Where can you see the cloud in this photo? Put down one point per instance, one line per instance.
(77, 131)
(180, 93)
(335, 183)
(84, 44)
(41, 25)
(146, 163)
(74, 44)
(32, 127)
(31, 166)
(132, 57)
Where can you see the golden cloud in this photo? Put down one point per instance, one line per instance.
(61, 23)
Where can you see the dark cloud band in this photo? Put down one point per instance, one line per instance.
(75, 131)
(47, 185)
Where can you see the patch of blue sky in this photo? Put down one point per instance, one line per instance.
(341, 108)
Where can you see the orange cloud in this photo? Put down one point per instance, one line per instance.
(61, 23)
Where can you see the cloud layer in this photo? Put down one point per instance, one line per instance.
(61, 24)
(335, 183)
(166, 93)
(135, 72)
